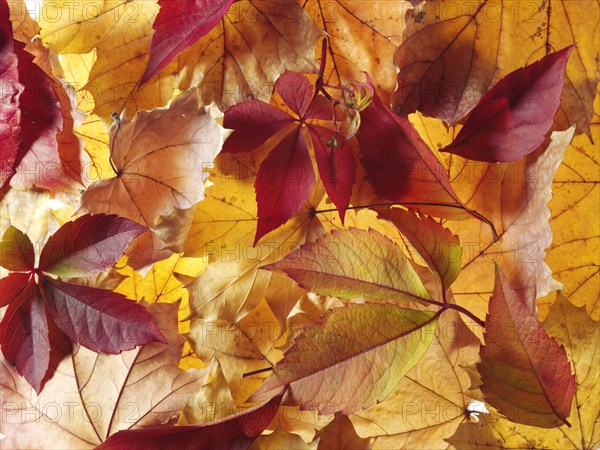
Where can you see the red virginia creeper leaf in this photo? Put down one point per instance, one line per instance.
(336, 167)
(16, 251)
(436, 245)
(100, 320)
(177, 26)
(512, 119)
(12, 286)
(10, 114)
(253, 123)
(283, 183)
(285, 177)
(24, 334)
(526, 375)
(353, 263)
(399, 164)
(88, 244)
(234, 432)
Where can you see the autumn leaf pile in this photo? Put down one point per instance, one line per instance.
(299, 224)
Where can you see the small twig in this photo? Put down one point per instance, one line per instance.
(256, 372)
(117, 120)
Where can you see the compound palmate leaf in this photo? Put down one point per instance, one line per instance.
(285, 177)
(354, 263)
(353, 359)
(101, 394)
(96, 318)
(525, 374)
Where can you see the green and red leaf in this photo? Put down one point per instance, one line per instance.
(525, 374)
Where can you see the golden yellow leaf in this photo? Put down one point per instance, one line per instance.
(573, 256)
(514, 197)
(340, 434)
(242, 347)
(454, 51)
(363, 37)
(223, 231)
(235, 60)
(211, 402)
(281, 439)
(162, 283)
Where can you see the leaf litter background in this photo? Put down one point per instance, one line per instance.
(237, 318)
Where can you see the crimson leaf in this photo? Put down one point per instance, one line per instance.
(285, 177)
(336, 166)
(400, 166)
(98, 319)
(87, 245)
(234, 432)
(10, 114)
(283, 183)
(512, 119)
(42, 310)
(177, 26)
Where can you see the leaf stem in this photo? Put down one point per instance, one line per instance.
(466, 312)
(117, 120)
(444, 205)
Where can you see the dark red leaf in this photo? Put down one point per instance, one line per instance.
(16, 251)
(252, 122)
(400, 166)
(10, 115)
(87, 245)
(283, 183)
(234, 432)
(512, 119)
(100, 320)
(336, 167)
(24, 336)
(11, 287)
(178, 25)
